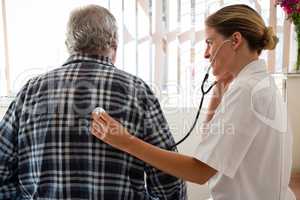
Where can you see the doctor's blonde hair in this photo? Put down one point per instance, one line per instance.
(242, 18)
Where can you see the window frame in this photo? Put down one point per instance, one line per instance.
(160, 37)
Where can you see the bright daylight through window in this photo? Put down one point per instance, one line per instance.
(161, 41)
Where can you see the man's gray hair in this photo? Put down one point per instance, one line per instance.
(91, 29)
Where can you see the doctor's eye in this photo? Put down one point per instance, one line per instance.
(209, 42)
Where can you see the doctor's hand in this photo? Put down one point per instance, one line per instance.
(222, 85)
(110, 131)
(220, 88)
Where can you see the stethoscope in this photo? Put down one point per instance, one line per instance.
(204, 92)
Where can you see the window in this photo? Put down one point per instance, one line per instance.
(3, 87)
(161, 41)
(36, 34)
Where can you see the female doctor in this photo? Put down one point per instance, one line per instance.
(247, 153)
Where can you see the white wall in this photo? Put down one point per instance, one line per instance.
(293, 96)
(2, 110)
(4, 103)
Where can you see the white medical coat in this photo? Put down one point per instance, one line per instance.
(248, 141)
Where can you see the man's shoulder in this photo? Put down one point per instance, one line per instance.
(118, 76)
(138, 82)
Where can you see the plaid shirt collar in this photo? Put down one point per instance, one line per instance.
(78, 58)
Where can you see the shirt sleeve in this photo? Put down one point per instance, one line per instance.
(156, 132)
(9, 128)
(8, 154)
(230, 133)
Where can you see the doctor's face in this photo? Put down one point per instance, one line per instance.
(219, 52)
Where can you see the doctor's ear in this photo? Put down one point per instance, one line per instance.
(236, 39)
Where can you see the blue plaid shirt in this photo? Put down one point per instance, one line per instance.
(47, 151)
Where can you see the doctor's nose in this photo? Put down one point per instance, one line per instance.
(206, 54)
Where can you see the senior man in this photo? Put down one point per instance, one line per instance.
(46, 148)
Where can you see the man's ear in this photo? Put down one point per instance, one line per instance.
(114, 53)
(236, 40)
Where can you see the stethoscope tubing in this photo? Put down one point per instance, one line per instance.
(204, 92)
